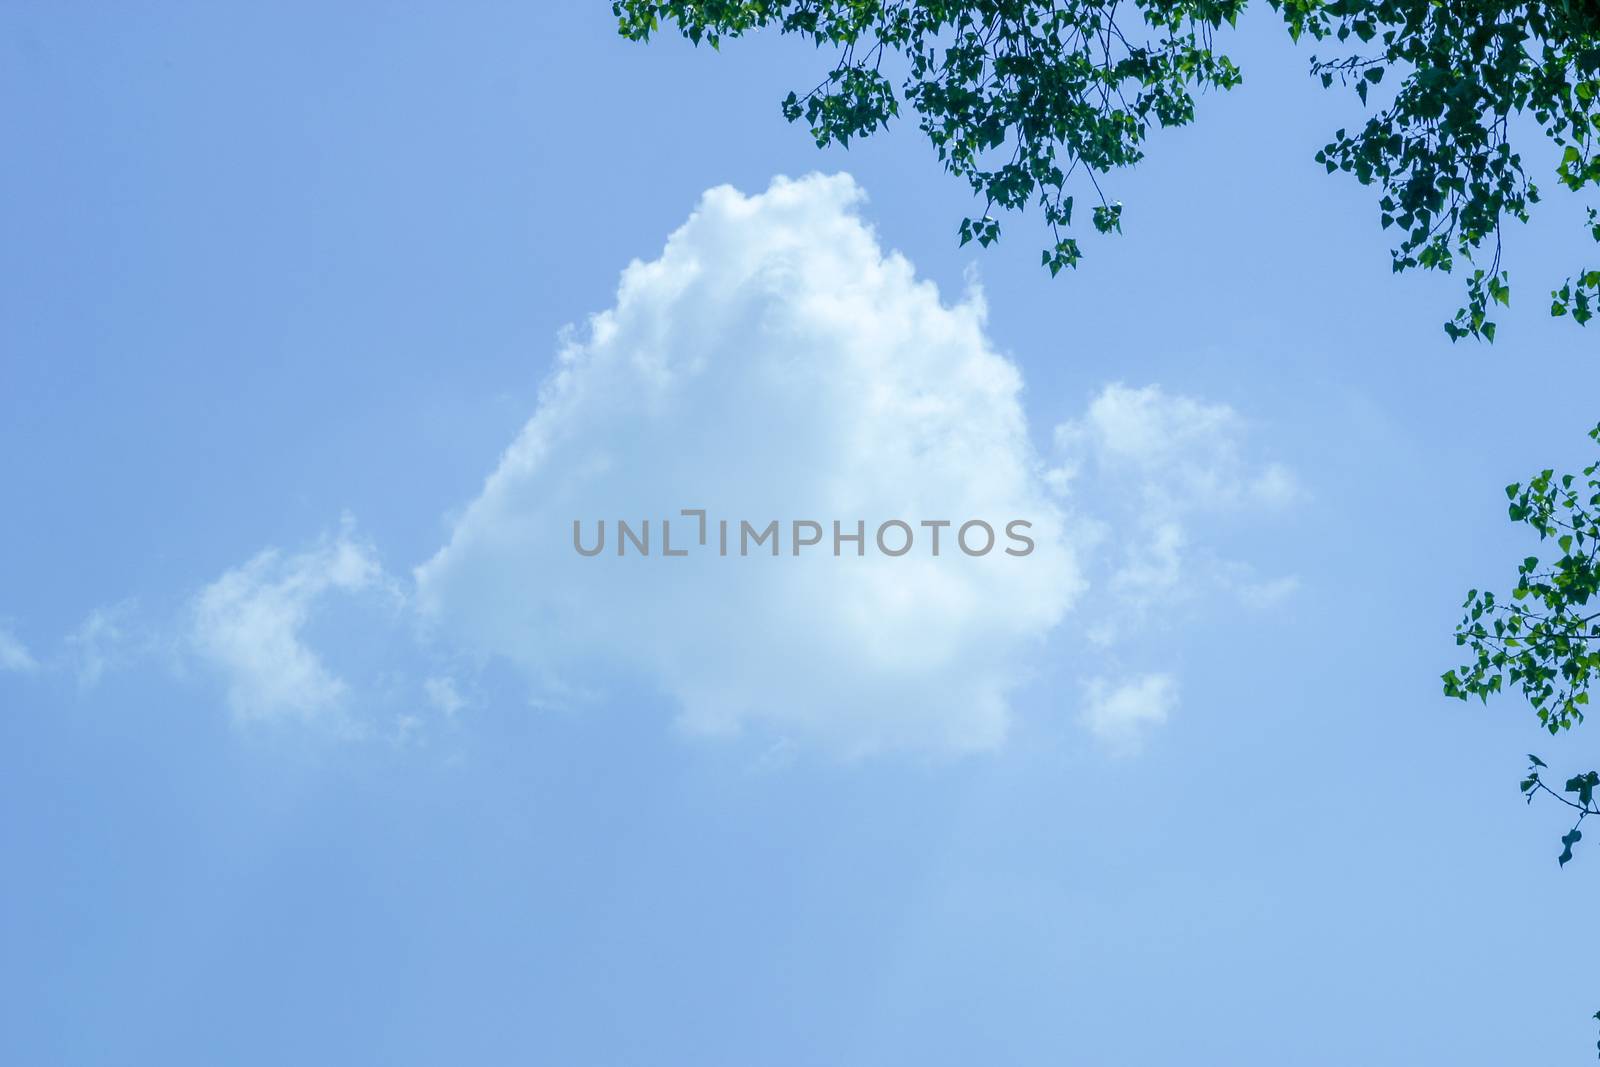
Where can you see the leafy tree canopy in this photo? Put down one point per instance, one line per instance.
(1544, 639)
(1041, 101)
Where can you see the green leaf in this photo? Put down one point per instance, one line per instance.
(1568, 839)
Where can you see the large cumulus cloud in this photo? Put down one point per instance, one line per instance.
(772, 363)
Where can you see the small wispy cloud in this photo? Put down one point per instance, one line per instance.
(101, 643)
(248, 625)
(444, 695)
(1155, 466)
(14, 655)
(1121, 715)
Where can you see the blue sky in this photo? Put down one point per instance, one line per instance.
(290, 282)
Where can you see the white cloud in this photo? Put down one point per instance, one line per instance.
(248, 626)
(1262, 596)
(1181, 454)
(100, 643)
(1153, 565)
(14, 655)
(443, 694)
(1121, 715)
(1157, 464)
(772, 363)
